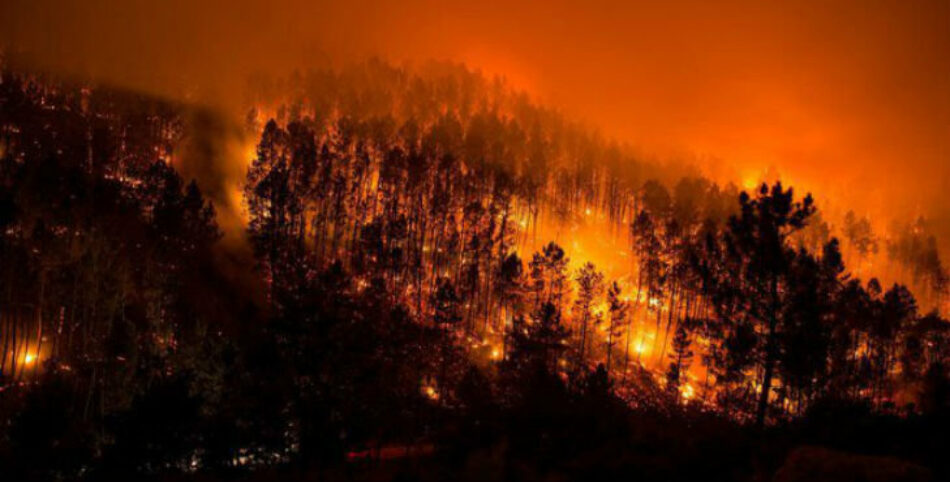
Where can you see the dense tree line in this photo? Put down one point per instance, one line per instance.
(398, 224)
(758, 280)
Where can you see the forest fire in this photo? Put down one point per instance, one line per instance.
(354, 267)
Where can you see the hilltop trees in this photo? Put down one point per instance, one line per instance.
(453, 192)
(400, 279)
(434, 206)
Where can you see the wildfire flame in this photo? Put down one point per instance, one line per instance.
(687, 391)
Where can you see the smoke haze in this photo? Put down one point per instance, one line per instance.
(850, 99)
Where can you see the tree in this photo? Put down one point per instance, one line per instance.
(753, 286)
(538, 343)
(680, 356)
(806, 333)
(860, 235)
(446, 305)
(511, 287)
(548, 272)
(590, 286)
(617, 318)
(652, 267)
(893, 313)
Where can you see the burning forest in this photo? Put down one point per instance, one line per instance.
(419, 271)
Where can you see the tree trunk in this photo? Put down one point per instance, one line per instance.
(763, 404)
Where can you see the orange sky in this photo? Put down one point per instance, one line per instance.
(836, 95)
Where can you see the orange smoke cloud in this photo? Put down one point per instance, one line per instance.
(850, 99)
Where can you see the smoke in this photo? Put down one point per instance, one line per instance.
(208, 154)
(848, 99)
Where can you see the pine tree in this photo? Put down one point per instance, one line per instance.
(680, 357)
(617, 309)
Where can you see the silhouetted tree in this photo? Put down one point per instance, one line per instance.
(590, 286)
(757, 258)
(616, 321)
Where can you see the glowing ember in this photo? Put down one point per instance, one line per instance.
(687, 391)
(496, 354)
